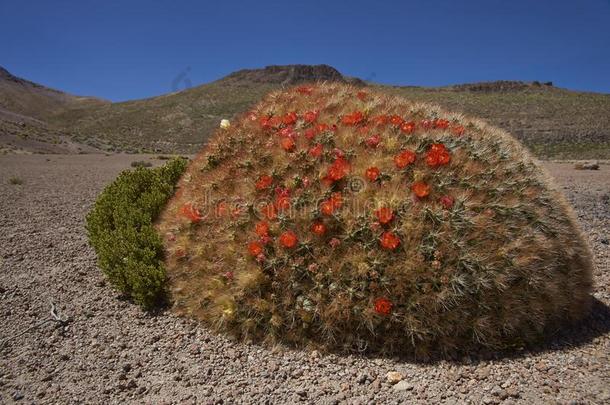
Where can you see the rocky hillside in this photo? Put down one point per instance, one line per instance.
(553, 122)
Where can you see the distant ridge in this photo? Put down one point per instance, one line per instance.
(553, 122)
(288, 75)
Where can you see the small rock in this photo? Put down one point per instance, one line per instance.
(17, 395)
(403, 386)
(394, 376)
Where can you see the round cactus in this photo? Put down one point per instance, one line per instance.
(337, 217)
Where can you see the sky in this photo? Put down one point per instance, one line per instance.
(123, 50)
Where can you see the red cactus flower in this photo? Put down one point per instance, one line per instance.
(437, 155)
(420, 189)
(287, 143)
(441, 124)
(383, 306)
(282, 202)
(426, 124)
(328, 207)
(373, 141)
(322, 128)
(385, 215)
(372, 173)
(389, 241)
(334, 242)
(318, 228)
(287, 131)
(396, 120)
(290, 118)
(190, 212)
(262, 229)
(288, 239)
(264, 182)
(380, 120)
(255, 248)
(310, 133)
(310, 116)
(316, 151)
(362, 95)
(447, 202)
(404, 158)
(338, 169)
(458, 130)
(408, 127)
(354, 118)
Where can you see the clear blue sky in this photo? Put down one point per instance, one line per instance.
(122, 50)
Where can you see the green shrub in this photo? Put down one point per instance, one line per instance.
(120, 228)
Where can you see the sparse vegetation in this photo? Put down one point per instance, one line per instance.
(15, 181)
(120, 228)
(343, 218)
(141, 163)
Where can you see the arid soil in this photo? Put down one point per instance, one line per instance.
(109, 351)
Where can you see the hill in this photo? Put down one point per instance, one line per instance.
(553, 122)
(25, 112)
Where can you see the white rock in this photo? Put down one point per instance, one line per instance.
(394, 376)
(403, 386)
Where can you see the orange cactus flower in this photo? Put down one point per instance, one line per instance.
(255, 248)
(287, 143)
(262, 229)
(441, 124)
(264, 182)
(372, 173)
(322, 128)
(190, 212)
(385, 215)
(373, 141)
(380, 120)
(354, 118)
(310, 133)
(396, 120)
(438, 155)
(288, 239)
(290, 118)
(389, 241)
(316, 150)
(282, 202)
(408, 127)
(338, 169)
(404, 158)
(383, 306)
(420, 189)
(318, 228)
(310, 116)
(458, 130)
(328, 207)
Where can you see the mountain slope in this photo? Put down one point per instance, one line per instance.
(25, 109)
(553, 122)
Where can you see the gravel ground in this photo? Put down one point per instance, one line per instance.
(110, 351)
